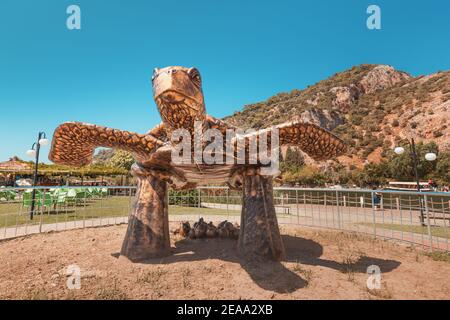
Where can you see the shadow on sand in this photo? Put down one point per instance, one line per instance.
(269, 275)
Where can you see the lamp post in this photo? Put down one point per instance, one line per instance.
(430, 156)
(34, 153)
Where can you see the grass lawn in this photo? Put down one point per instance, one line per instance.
(436, 231)
(115, 206)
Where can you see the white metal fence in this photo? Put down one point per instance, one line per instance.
(421, 219)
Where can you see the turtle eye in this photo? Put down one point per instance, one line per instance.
(194, 74)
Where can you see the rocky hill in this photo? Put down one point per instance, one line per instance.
(103, 156)
(371, 107)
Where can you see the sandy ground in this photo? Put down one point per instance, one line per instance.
(320, 265)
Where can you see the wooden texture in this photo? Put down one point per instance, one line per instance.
(259, 237)
(317, 142)
(177, 92)
(147, 235)
(74, 143)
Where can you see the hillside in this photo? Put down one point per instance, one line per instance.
(371, 107)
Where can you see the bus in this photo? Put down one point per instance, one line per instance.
(408, 186)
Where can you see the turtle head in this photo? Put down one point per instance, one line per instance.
(178, 94)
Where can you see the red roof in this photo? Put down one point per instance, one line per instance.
(14, 165)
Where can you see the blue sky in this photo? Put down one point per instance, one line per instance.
(245, 50)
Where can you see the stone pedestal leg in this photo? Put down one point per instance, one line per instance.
(148, 224)
(259, 236)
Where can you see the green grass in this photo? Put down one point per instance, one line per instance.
(439, 256)
(115, 206)
(436, 231)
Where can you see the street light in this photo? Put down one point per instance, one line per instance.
(430, 156)
(34, 153)
(399, 150)
(31, 153)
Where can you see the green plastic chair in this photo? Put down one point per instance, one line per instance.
(27, 197)
(81, 195)
(71, 196)
(60, 198)
(12, 194)
(41, 199)
(46, 200)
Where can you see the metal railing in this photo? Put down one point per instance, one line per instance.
(62, 208)
(421, 219)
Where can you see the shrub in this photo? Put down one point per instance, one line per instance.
(356, 119)
(184, 198)
(121, 159)
(293, 160)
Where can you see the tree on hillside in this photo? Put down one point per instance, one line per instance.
(293, 160)
(401, 168)
(307, 176)
(121, 159)
(373, 174)
(442, 172)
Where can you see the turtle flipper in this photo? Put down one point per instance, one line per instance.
(159, 132)
(317, 142)
(74, 143)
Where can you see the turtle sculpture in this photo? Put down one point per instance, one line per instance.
(178, 95)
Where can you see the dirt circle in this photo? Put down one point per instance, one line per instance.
(319, 265)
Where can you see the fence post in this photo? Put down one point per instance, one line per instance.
(338, 209)
(42, 213)
(296, 202)
(130, 197)
(373, 214)
(430, 237)
(85, 191)
(228, 199)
